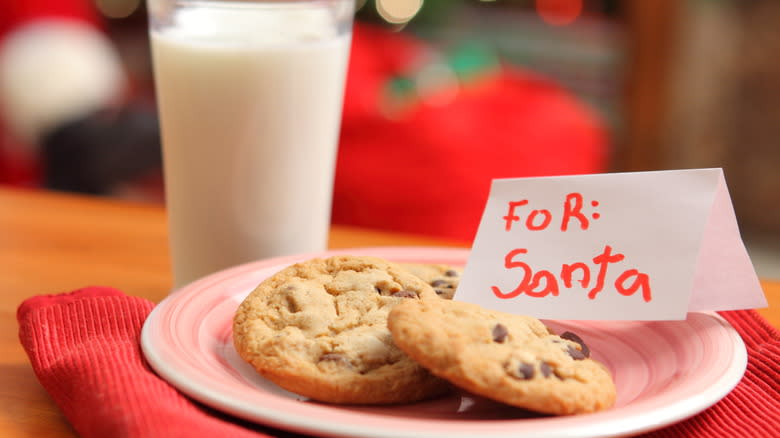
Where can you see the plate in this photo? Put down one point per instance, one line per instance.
(665, 371)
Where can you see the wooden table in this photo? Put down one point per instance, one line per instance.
(53, 243)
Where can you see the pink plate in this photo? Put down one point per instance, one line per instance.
(664, 371)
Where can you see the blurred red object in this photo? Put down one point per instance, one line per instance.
(19, 13)
(427, 169)
(19, 163)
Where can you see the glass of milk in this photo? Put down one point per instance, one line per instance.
(250, 95)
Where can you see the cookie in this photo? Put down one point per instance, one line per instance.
(319, 329)
(513, 359)
(443, 278)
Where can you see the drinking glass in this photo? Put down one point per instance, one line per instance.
(250, 95)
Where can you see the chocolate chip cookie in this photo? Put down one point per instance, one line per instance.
(319, 329)
(510, 358)
(443, 279)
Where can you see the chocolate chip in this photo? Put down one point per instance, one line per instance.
(500, 333)
(439, 291)
(405, 294)
(450, 273)
(525, 371)
(439, 282)
(292, 304)
(574, 353)
(546, 369)
(569, 336)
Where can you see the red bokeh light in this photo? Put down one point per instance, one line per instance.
(559, 12)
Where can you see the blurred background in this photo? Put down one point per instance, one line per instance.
(473, 89)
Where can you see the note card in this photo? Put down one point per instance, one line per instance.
(621, 246)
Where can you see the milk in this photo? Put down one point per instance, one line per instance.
(250, 106)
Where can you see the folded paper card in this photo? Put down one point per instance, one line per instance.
(622, 246)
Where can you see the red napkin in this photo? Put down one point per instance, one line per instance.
(84, 348)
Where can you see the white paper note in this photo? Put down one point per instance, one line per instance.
(623, 246)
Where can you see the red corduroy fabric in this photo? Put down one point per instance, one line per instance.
(84, 348)
(752, 409)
